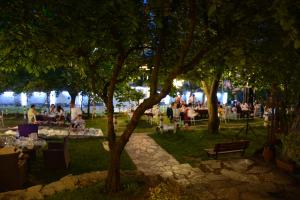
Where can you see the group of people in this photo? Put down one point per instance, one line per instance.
(181, 112)
(54, 113)
(57, 114)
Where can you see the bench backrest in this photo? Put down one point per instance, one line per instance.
(231, 146)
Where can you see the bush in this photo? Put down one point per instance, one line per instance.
(164, 191)
(291, 146)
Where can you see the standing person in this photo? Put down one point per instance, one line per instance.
(170, 112)
(94, 111)
(178, 101)
(31, 114)
(192, 100)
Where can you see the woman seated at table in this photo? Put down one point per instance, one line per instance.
(76, 117)
(31, 114)
(52, 111)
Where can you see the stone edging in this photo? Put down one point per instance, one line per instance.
(69, 182)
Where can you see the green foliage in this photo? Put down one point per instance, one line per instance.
(125, 93)
(291, 146)
(188, 146)
(133, 188)
(164, 191)
(86, 155)
(287, 15)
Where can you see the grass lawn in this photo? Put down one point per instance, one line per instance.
(187, 146)
(12, 120)
(86, 155)
(122, 120)
(99, 122)
(132, 189)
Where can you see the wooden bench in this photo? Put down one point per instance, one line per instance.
(230, 147)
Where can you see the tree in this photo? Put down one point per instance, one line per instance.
(106, 43)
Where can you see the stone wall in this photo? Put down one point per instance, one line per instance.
(69, 182)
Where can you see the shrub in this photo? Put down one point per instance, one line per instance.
(164, 191)
(291, 146)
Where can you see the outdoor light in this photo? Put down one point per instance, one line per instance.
(199, 96)
(224, 97)
(65, 93)
(8, 94)
(38, 94)
(23, 99)
(144, 67)
(52, 97)
(178, 83)
(80, 99)
(187, 94)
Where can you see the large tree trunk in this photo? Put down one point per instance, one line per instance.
(116, 147)
(88, 106)
(210, 90)
(113, 179)
(73, 97)
(295, 124)
(113, 176)
(213, 119)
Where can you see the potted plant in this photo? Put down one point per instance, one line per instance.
(290, 152)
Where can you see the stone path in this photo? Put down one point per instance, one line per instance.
(213, 179)
(151, 159)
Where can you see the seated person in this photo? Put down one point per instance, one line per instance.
(60, 114)
(31, 114)
(191, 113)
(79, 122)
(52, 111)
(76, 116)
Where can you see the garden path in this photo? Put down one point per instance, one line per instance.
(239, 179)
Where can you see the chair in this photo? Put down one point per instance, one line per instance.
(57, 155)
(13, 170)
(26, 129)
(2, 119)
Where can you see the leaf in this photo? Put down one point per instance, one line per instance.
(212, 8)
(297, 44)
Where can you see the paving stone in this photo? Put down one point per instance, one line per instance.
(212, 164)
(207, 196)
(183, 182)
(276, 178)
(227, 193)
(233, 179)
(167, 174)
(265, 187)
(254, 196)
(259, 170)
(240, 165)
(214, 177)
(233, 175)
